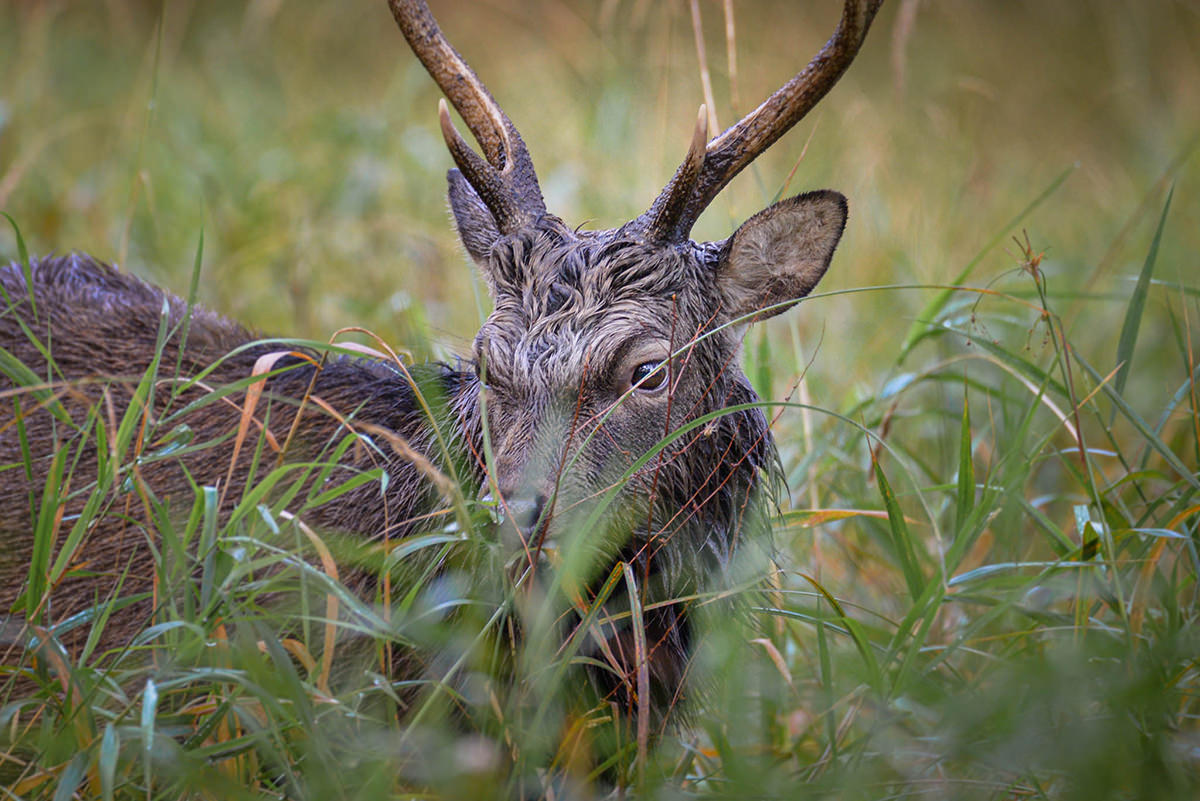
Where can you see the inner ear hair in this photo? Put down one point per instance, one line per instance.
(780, 254)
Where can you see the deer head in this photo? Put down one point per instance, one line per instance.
(602, 343)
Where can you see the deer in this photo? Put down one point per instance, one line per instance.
(608, 369)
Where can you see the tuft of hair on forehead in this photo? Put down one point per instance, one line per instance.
(544, 267)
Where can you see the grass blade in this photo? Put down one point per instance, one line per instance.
(643, 670)
(110, 748)
(72, 777)
(49, 518)
(965, 500)
(901, 539)
(26, 264)
(1137, 305)
(186, 323)
(149, 715)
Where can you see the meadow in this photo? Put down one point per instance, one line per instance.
(983, 583)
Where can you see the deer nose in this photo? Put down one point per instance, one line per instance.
(525, 511)
(520, 510)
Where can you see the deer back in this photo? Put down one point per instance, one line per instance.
(92, 345)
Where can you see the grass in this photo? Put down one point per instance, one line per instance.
(986, 572)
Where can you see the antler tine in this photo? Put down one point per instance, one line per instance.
(487, 181)
(733, 150)
(506, 181)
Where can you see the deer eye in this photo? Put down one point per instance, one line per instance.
(649, 376)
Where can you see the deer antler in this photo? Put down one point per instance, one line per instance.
(504, 178)
(672, 215)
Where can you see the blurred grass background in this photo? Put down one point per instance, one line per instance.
(301, 138)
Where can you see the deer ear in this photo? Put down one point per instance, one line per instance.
(476, 227)
(780, 254)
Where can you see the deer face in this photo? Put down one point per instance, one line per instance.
(602, 343)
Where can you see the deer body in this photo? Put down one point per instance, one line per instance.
(601, 344)
(101, 327)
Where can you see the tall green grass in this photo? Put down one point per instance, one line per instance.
(984, 582)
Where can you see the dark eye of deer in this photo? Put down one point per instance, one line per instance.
(648, 376)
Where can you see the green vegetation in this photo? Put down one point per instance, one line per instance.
(986, 581)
